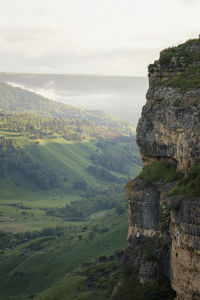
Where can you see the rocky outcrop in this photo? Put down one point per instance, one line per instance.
(148, 237)
(164, 227)
(185, 250)
(169, 127)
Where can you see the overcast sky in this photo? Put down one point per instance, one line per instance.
(119, 37)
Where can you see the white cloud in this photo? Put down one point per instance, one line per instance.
(190, 2)
(91, 36)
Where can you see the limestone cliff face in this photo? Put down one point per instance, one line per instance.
(169, 127)
(167, 225)
(185, 250)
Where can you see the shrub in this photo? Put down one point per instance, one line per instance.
(189, 185)
(161, 170)
(188, 80)
(148, 255)
(120, 209)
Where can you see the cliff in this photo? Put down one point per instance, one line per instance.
(162, 259)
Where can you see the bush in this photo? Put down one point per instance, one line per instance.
(130, 288)
(80, 185)
(188, 80)
(161, 170)
(148, 255)
(189, 185)
(120, 209)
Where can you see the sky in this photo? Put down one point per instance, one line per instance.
(118, 37)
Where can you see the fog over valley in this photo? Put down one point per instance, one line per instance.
(121, 96)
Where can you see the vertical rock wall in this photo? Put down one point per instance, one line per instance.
(164, 229)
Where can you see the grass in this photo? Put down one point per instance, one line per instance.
(94, 280)
(46, 266)
(186, 62)
(180, 52)
(67, 287)
(161, 170)
(189, 186)
(69, 161)
(188, 80)
(39, 264)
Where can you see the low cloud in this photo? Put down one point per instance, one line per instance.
(92, 37)
(190, 2)
(125, 103)
(54, 49)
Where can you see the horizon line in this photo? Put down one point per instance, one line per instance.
(74, 74)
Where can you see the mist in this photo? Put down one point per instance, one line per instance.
(122, 96)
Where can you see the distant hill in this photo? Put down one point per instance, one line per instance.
(121, 96)
(78, 82)
(14, 99)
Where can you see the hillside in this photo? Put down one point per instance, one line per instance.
(60, 262)
(121, 96)
(47, 163)
(62, 210)
(14, 99)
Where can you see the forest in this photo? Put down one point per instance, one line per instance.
(109, 155)
(62, 178)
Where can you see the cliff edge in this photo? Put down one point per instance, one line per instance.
(162, 258)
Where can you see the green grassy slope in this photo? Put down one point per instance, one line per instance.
(94, 280)
(60, 180)
(69, 161)
(27, 145)
(46, 264)
(42, 263)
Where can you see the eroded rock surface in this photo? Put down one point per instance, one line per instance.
(164, 228)
(169, 127)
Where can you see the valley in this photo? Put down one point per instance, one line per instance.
(121, 96)
(62, 202)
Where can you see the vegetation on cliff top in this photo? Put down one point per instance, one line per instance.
(184, 54)
(183, 59)
(189, 185)
(161, 170)
(188, 80)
